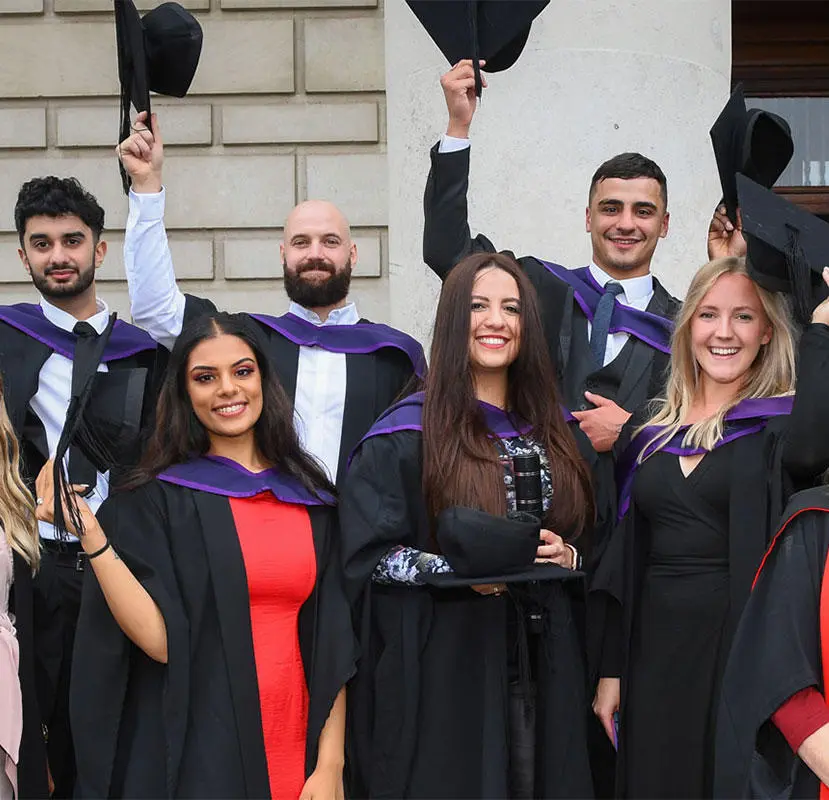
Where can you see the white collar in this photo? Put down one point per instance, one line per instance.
(67, 322)
(347, 315)
(638, 288)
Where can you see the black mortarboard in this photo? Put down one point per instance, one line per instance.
(753, 142)
(159, 53)
(483, 549)
(787, 246)
(493, 30)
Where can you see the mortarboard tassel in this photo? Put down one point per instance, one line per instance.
(800, 278)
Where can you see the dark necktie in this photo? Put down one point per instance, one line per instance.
(601, 321)
(84, 363)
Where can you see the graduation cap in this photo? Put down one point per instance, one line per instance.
(482, 548)
(493, 30)
(753, 142)
(158, 52)
(787, 247)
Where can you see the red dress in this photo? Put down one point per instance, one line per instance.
(278, 551)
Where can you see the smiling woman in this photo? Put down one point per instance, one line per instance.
(217, 597)
(704, 480)
(472, 675)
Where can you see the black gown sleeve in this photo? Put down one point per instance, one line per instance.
(806, 443)
(107, 666)
(376, 505)
(446, 236)
(775, 654)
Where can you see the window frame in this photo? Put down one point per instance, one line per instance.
(780, 48)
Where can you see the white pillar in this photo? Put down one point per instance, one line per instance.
(597, 78)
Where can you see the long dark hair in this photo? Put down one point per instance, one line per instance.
(460, 460)
(179, 436)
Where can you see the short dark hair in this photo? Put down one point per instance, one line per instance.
(57, 197)
(628, 166)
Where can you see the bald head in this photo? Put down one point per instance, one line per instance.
(317, 216)
(317, 254)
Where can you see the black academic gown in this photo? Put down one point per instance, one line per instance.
(31, 620)
(640, 372)
(192, 727)
(22, 356)
(788, 454)
(776, 652)
(428, 707)
(374, 381)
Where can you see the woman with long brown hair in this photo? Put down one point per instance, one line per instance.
(214, 642)
(706, 475)
(471, 683)
(23, 771)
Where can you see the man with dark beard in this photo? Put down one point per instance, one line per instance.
(46, 351)
(340, 371)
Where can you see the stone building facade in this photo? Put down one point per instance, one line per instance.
(340, 99)
(287, 104)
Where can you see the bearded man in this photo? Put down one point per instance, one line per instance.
(340, 371)
(48, 352)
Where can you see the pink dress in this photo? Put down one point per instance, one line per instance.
(11, 701)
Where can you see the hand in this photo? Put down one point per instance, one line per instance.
(554, 550)
(603, 424)
(459, 90)
(606, 704)
(490, 588)
(324, 783)
(821, 313)
(724, 240)
(45, 510)
(142, 154)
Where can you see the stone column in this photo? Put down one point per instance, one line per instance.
(597, 78)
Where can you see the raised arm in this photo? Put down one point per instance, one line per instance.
(806, 453)
(156, 303)
(446, 236)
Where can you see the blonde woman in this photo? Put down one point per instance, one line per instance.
(702, 484)
(22, 751)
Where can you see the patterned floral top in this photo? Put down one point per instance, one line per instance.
(408, 565)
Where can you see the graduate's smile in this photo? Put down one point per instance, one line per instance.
(61, 254)
(625, 219)
(61, 273)
(225, 386)
(493, 342)
(495, 323)
(728, 330)
(231, 409)
(624, 242)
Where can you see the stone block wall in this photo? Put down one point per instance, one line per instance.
(288, 103)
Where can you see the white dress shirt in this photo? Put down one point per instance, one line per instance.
(320, 391)
(51, 401)
(637, 292)
(157, 306)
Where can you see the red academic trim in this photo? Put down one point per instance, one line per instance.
(824, 646)
(824, 611)
(800, 716)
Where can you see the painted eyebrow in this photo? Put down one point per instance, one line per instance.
(234, 364)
